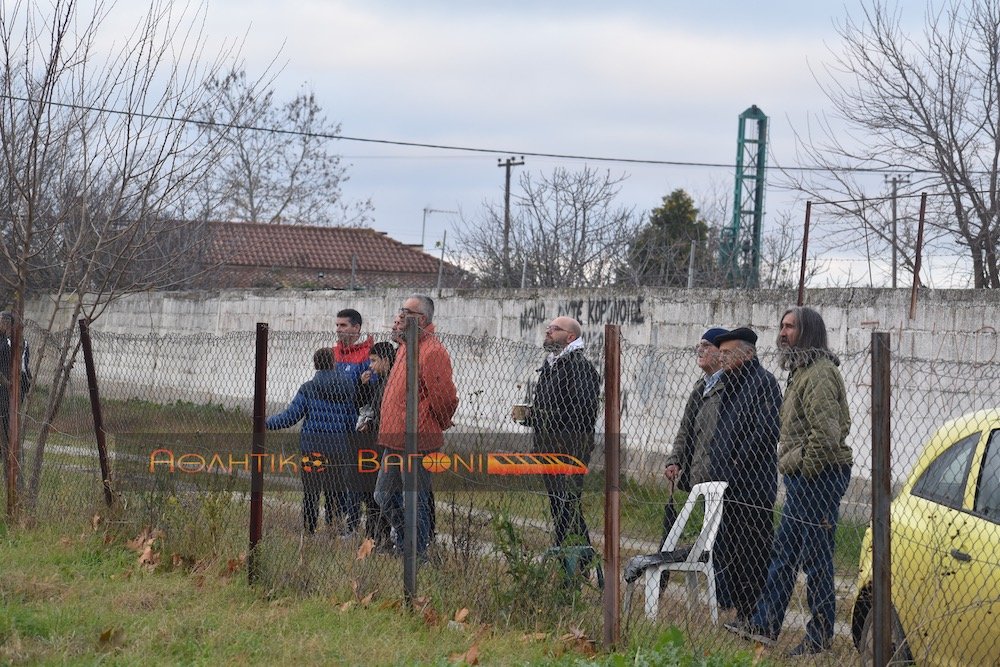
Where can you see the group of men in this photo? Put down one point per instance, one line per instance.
(563, 417)
(355, 373)
(738, 428)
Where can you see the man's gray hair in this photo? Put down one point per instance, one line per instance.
(426, 305)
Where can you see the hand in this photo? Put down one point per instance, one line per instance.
(672, 471)
(366, 376)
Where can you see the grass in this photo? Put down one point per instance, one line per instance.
(516, 606)
(82, 597)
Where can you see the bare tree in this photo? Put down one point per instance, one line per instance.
(928, 107)
(566, 231)
(288, 176)
(98, 152)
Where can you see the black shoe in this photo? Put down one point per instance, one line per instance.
(752, 632)
(809, 647)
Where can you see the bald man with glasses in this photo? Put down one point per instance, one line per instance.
(564, 414)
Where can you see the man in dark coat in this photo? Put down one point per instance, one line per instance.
(6, 379)
(731, 436)
(563, 415)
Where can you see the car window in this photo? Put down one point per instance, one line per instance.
(988, 493)
(945, 478)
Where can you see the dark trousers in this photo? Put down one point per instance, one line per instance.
(805, 540)
(565, 504)
(742, 552)
(348, 487)
(389, 488)
(318, 482)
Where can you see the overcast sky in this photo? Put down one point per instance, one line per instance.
(658, 80)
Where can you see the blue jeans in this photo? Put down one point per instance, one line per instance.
(389, 496)
(805, 540)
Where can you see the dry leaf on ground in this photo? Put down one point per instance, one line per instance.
(366, 549)
(470, 657)
(111, 638)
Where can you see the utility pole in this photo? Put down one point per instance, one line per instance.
(507, 164)
(894, 182)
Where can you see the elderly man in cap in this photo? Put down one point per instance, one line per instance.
(733, 438)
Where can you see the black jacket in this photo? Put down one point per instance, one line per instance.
(744, 445)
(5, 368)
(565, 407)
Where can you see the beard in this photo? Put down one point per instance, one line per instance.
(553, 346)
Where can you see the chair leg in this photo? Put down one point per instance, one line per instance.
(713, 602)
(651, 586)
(692, 586)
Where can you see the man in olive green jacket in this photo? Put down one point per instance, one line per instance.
(815, 463)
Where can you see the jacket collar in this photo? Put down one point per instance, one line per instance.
(363, 341)
(572, 347)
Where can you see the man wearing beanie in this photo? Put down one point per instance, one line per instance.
(729, 433)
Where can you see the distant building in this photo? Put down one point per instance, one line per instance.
(246, 255)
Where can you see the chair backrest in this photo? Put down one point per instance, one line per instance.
(712, 492)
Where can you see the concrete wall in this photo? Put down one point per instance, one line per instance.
(946, 355)
(954, 325)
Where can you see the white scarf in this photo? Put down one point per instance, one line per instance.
(575, 345)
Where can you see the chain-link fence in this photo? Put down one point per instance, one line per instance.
(510, 543)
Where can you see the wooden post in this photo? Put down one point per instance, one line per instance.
(95, 409)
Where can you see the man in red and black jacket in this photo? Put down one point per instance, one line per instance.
(351, 360)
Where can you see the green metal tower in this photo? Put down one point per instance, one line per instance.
(739, 251)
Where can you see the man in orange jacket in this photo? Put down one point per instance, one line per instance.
(437, 402)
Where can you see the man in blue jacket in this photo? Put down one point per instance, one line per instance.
(327, 403)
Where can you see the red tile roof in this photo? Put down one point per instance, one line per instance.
(253, 254)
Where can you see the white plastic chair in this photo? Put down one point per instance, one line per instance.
(698, 560)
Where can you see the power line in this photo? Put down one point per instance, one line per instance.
(452, 147)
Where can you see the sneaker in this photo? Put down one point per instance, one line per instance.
(809, 647)
(752, 632)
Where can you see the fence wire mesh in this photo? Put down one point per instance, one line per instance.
(177, 411)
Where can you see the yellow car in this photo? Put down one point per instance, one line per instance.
(945, 552)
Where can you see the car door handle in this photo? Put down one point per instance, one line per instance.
(960, 555)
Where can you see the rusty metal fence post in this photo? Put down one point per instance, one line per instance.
(257, 451)
(95, 408)
(612, 484)
(881, 491)
(805, 256)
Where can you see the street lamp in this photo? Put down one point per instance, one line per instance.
(423, 227)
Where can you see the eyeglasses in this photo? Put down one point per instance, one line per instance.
(553, 327)
(406, 311)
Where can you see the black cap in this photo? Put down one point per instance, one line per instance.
(745, 334)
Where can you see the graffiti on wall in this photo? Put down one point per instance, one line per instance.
(588, 312)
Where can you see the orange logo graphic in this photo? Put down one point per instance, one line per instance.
(507, 463)
(313, 462)
(436, 462)
(521, 463)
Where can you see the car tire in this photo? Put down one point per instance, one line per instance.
(899, 649)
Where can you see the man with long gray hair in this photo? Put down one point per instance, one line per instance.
(815, 462)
